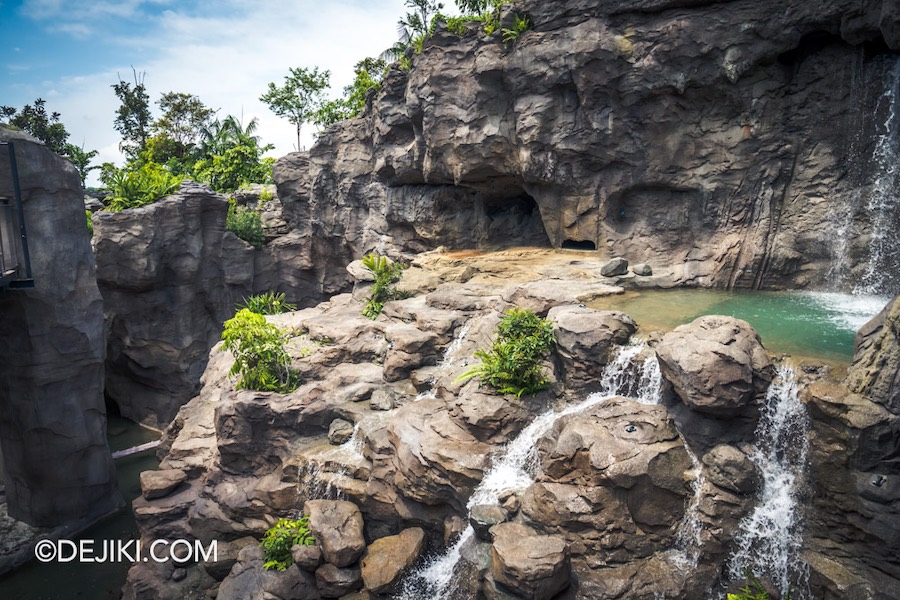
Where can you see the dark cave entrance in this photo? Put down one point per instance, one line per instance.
(586, 245)
(512, 220)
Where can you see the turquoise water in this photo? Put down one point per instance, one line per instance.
(809, 324)
(91, 581)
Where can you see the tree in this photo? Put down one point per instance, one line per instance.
(300, 97)
(184, 117)
(34, 119)
(229, 155)
(369, 73)
(81, 160)
(133, 116)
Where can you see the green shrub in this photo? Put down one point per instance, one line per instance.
(259, 355)
(278, 541)
(132, 188)
(521, 24)
(386, 273)
(265, 196)
(513, 363)
(90, 224)
(268, 303)
(754, 590)
(245, 223)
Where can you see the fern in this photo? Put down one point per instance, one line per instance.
(386, 273)
(268, 303)
(521, 24)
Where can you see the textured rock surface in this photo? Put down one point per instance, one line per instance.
(875, 371)
(387, 559)
(338, 529)
(716, 364)
(170, 275)
(705, 135)
(533, 566)
(57, 466)
(586, 339)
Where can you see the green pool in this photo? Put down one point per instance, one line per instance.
(817, 325)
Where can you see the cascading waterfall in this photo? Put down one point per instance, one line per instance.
(514, 466)
(883, 203)
(686, 553)
(769, 538)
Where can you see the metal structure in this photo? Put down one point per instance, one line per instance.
(15, 260)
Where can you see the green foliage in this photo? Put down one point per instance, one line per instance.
(81, 160)
(245, 223)
(184, 118)
(133, 116)
(754, 590)
(513, 363)
(268, 303)
(521, 24)
(278, 541)
(369, 73)
(132, 188)
(330, 112)
(90, 224)
(265, 196)
(299, 99)
(233, 168)
(259, 354)
(386, 273)
(34, 119)
(457, 25)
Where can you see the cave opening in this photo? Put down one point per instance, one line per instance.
(513, 220)
(578, 245)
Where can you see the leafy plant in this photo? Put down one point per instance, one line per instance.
(268, 303)
(278, 541)
(245, 223)
(521, 24)
(133, 116)
(35, 119)
(386, 273)
(82, 160)
(298, 100)
(90, 224)
(259, 354)
(137, 187)
(265, 196)
(513, 363)
(754, 590)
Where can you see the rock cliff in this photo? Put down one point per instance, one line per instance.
(57, 467)
(734, 140)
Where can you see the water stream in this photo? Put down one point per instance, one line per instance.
(515, 464)
(769, 538)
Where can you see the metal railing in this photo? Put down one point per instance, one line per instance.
(15, 260)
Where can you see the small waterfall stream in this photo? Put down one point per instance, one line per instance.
(515, 464)
(769, 538)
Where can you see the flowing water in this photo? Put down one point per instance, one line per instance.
(769, 538)
(817, 325)
(515, 464)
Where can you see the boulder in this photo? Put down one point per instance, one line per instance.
(716, 364)
(226, 556)
(875, 372)
(585, 340)
(248, 580)
(614, 267)
(533, 566)
(307, 558)
(334, 582)
(484, 516)
(642, 269)
(161, 483)
(387, 559)
(340, 432)
(337, 526)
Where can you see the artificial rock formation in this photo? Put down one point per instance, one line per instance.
(57, 465)
(875, 371)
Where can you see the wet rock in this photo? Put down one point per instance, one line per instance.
(614, 267)
(875, 371)
(585, 340)
(531, 565)
(160, 483)
(340, 432)
(715, 364)
(491, 417)
(334, 582)
(307, 558)
(382, 399)
(731, 469)
(337, 526)
(387, 559)
(484, 516)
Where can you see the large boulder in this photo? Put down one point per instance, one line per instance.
(387, 559)
(337, 526)
(875, 372)
(585, 339)
(716, 364)
(248, 580)
(533, 566)
(57, 467)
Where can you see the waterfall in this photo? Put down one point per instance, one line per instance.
(769, 538)
(686, 553)
(515, 464)
(883, 205)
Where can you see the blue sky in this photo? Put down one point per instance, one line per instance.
(70, 52)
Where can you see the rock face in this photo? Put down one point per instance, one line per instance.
(700, 134)
(389, 558)
(170, 275)
(533, 566)
(716, 364)
(57, 467)
(875, 371)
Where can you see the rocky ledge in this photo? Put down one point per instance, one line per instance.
(635, 496)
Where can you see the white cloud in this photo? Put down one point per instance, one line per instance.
(226, 56)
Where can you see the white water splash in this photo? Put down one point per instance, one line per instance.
(848, 311)
(884, 199)
(769, 538)
(515, 464)
(688, 539)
